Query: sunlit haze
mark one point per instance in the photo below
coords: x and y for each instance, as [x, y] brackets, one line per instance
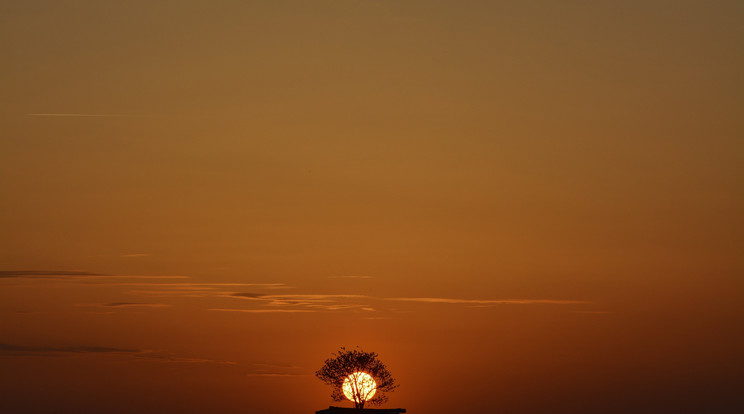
[523, 207]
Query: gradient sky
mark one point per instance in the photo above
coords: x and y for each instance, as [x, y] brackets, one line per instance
[523, 207]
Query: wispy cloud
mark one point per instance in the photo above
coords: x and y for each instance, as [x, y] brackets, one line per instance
[139, 285]
[79, 351]
[333, 302]
[248, 295]
[207, 285]
[492, 301]
[337, 302]
[341, 307]
[148, 277]
[262, 310]
[304, 298]
[195, 290]
[260, 298]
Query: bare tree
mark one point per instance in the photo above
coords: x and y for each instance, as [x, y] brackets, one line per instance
[349, 366]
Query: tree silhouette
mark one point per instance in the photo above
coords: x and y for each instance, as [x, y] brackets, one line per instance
[347, 365]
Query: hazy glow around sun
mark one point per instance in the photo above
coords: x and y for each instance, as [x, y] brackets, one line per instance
[359, 384]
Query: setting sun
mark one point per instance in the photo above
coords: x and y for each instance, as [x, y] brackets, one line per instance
[359, 386]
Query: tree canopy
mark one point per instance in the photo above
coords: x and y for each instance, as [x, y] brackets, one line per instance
[346, 365]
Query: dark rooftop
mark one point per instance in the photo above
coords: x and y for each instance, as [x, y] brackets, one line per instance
[341, 410]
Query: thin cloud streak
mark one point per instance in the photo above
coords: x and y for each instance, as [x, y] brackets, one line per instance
[136, 255]
[195, 290]
[263, 310]
[342, 302]
[312, 298]
[337, 307]
[492, 301]
[308, 301]
[298, 297]
[78, 351]
[143, 277]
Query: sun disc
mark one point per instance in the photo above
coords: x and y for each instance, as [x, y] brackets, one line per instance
[359, 386]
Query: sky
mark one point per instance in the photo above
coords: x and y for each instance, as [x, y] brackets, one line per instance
[522, 207]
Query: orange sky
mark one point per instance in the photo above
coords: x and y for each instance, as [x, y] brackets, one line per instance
[523, 207]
